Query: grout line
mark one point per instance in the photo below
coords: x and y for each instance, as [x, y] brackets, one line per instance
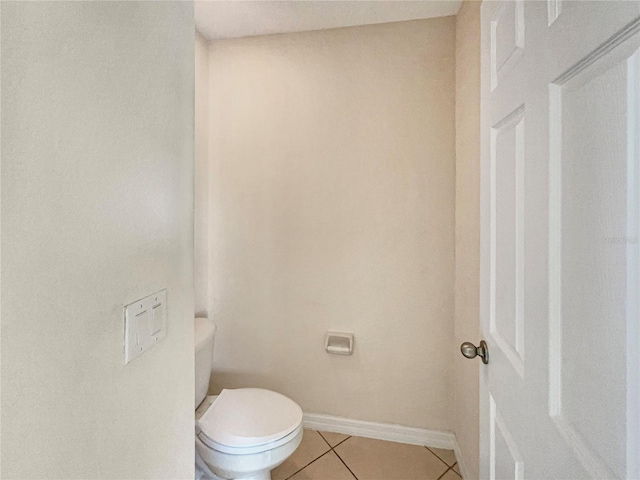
[343, 462]
[341, 442]
[318, 458]
[336, 453]
[325, 440]
[454, 470]
[445, 472]
[332, 449]
[450, 466]
[299, 470]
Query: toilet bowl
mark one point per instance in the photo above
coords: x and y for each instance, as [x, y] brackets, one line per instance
[242, 433]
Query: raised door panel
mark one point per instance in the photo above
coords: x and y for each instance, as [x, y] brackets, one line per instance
[507, 241]
[593, 246]
[507, 39]
[506, 462]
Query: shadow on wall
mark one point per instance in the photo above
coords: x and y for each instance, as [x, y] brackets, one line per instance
[232, 379]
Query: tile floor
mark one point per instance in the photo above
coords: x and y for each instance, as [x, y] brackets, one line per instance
[332, 456]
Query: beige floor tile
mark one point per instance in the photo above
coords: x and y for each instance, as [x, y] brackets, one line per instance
[456, 468]
[450, 475]
[311, 447]
[371, 459]
[327, 467]
[447, 456]
[333, 438]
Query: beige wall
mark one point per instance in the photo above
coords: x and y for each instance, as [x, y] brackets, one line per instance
[97, 200]
[201, 204]
[332, 207]
[465, 417]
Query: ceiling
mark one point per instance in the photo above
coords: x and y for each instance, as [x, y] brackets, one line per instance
[217, 19]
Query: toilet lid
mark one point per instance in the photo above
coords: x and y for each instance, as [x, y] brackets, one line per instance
[246, 417]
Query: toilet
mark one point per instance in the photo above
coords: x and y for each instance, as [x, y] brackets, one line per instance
[242, 433]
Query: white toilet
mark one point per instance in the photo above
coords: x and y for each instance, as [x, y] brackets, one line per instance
[242, 433]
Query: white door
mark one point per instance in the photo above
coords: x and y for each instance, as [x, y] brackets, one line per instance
[560, 286]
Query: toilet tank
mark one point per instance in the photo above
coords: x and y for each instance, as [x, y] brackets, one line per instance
[204, 334]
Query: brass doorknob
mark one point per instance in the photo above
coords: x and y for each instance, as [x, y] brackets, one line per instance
[469, 350]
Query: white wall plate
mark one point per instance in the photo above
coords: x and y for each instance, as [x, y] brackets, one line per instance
[145, 324]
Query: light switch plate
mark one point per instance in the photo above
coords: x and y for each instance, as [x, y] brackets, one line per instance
[145, 324]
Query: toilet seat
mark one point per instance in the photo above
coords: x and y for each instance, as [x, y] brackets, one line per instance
[249, 420]
[248, 450]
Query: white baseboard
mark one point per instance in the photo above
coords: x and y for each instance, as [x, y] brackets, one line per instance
[461, 465]
[380, 431]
